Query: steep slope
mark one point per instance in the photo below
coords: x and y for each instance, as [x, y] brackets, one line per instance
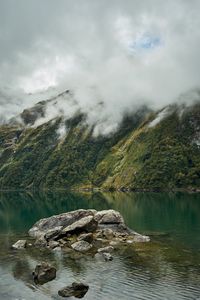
[150, 151]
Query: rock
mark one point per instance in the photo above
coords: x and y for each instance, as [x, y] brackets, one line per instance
[88, 237]
[53, 244]
[44, 273]
[108, 233]
[107, 249]
[107, 256]
[114, 243]
[109, 217]
[77, 229]
[104, 256]
[100, 243]
[87, 224]
[53, 233]
[138, 238]
[21, 244]
[44, 225]
[57, 249]
[40, 242]
[77, 290]
[81, 246]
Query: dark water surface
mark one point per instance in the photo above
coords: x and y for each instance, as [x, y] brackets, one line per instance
[166, 268]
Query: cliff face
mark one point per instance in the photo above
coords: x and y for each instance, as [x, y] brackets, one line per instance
[150, 151]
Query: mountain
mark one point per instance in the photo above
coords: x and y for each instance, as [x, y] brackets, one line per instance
[149, 151]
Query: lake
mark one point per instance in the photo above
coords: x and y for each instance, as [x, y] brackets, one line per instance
[166, 268]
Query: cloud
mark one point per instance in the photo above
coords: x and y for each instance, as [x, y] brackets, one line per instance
[122, 53]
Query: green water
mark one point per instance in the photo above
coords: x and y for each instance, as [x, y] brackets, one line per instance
[166, 268]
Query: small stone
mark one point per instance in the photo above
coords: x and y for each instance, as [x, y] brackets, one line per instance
[53, 244]
[21, 244]
[114, 243]
[108, 233]
[104, 256]
[40, 242]
[129, 241]
[88, 237]
[138, 238]
[44, 273]
[57, 249]
[81, 246]
[107, 256]
[107, 249]
[77, 290]
[53, 233]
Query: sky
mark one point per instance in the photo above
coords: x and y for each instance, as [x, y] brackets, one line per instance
[123, 53]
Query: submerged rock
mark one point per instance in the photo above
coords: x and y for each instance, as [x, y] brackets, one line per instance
[21, 244]
[81, 246]
[44, 273]
[107, 249]
[77, 290]
[107, 256]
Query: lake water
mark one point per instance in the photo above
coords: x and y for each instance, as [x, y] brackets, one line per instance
[166, 268]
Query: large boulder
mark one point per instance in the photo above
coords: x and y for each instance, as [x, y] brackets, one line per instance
[77, 290]
[44, 273]
[42, 227]
[109, 217]
[86, 224]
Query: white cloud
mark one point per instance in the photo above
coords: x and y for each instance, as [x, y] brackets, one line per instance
[124, 53]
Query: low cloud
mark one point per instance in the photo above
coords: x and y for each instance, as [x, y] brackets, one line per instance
[113, 55]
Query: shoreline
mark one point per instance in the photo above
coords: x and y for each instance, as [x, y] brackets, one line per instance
[102, 190]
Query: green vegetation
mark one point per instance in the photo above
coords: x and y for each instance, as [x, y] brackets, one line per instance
[137, 156]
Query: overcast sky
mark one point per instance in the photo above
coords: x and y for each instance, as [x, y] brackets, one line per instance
[122, 52]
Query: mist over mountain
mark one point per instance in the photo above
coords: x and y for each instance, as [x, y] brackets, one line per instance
[113, 56]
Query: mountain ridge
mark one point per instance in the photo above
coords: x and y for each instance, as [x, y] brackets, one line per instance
[149, 151]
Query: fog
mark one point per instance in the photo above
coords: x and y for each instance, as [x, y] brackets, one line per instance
[113, 55]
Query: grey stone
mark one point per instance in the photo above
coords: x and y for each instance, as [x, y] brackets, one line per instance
[77, 290]
[107, 249]
[44, 273]
[40, 242]
[87, 224]
[107, 256]
[138, 238]
[44, 225]
[21, 244]
[53, 244]
[81, 246]
[53, 233]
[109, 217]
[88, 237]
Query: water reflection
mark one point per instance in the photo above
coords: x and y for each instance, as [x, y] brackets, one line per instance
[166, 268]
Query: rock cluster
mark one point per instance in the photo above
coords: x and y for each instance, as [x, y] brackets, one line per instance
[98, 232]
[85, 230]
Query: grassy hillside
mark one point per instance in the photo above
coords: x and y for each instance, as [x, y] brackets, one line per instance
[142, 154]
